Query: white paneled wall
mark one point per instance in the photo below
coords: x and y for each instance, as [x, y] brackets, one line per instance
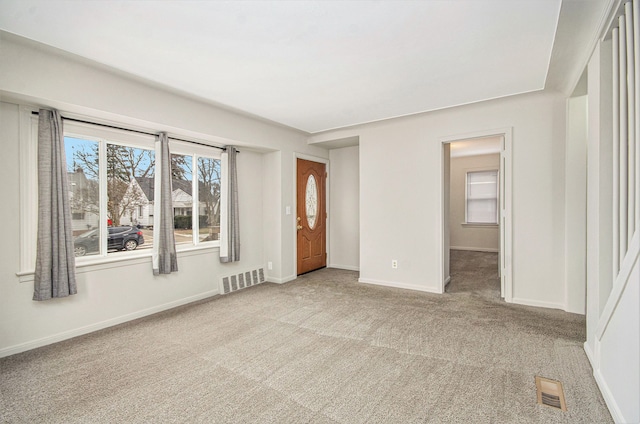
[613, 338]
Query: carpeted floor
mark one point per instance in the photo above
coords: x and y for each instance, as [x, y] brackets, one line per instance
[321, 349]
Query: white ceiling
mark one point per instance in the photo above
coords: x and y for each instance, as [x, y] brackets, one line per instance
[476, 146]
[310, 65]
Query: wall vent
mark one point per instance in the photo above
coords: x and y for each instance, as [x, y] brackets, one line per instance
[242, 280]
[550, 393]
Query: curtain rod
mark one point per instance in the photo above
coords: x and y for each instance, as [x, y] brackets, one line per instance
[135, 131]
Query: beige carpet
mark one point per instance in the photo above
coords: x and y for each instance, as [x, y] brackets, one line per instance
[321, 349]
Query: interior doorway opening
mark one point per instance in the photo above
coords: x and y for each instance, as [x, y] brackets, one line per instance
[476, 212]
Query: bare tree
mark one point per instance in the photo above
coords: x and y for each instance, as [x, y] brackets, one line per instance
[124, 164]
[209, 192]
[180, 167]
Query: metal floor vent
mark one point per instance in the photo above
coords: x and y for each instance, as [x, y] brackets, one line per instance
[550, 393]
[236, 282]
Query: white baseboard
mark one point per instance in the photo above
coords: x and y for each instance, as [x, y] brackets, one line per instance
[400, 285]
[281, 280]
[23, 347]
[537, 303]
[609, 399]
[475, 249]
[447, 280]
[347, 267]
[590, 355]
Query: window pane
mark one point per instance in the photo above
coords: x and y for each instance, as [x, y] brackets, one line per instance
[481, 211]
[182, 197]
[209, 202]
[130, 196]
[84, 194]
[482, 197]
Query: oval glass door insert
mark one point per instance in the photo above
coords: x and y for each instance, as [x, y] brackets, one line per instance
[311, 201]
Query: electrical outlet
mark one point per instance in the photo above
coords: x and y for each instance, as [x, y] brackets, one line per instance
[269, 265]
[394, 263]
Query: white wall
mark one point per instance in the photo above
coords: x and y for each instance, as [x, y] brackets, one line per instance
[401, 199]
[468, 237]
[576, 205]
[344, 208]
[36, 75]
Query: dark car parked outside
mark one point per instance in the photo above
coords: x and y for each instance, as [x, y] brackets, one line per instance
[119, 238]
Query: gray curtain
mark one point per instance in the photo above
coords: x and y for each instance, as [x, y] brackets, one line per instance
[230, 252]
[165, 260]
[55, 261]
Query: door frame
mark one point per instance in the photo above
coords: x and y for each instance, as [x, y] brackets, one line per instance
[293, 222]
[505, 208]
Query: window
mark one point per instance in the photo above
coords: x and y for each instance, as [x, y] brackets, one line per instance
[110, 185]
[182, 196]
[482, 197]
[111, 176]
[209, 196]
[196, 201]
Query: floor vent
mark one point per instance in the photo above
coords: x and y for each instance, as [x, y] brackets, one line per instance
[550, 393]
[242, 280]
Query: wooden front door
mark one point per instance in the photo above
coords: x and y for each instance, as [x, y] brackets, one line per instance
[311, 216]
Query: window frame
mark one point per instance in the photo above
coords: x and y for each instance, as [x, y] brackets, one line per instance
[28, 154]
[104, 136]
[177, 147]
[468, 223]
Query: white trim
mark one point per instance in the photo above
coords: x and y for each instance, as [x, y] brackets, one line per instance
[607, 22]
[346, 267]
[28, 188]
[447, 281]
[65, 335]
[400, 285]
[478, 225]
[224, 204]
[281, 280]
[595, 37]
[180, 147]
[609, 399]
[296, 156]
[590, 356]
[311, 158]
[97, 132]
[121, 260]
[537, 303]
[475, 249]
[619, 285]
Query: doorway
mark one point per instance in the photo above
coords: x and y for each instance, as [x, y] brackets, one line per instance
[311, 216]
[477, 183]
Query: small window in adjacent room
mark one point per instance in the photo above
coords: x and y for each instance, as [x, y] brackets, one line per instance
[482, 197]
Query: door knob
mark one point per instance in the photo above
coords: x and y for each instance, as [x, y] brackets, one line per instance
[299, 227]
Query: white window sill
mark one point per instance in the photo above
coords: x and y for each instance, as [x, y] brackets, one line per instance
[478, 225]
[123, 259]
